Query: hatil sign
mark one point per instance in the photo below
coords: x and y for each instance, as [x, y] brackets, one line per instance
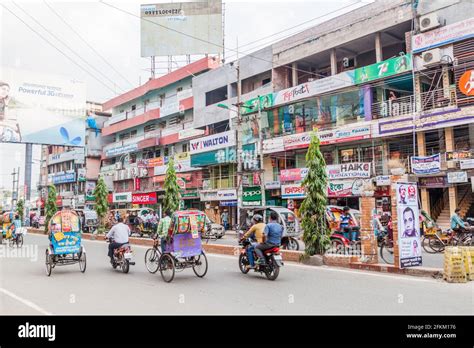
[212, 142]
[144, 198]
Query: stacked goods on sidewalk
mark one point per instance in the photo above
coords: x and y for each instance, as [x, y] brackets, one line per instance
[468, 258]
[454, 268]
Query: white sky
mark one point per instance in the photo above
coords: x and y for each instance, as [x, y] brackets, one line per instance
[116, 36]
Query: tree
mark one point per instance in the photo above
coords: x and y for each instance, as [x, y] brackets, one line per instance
[313, 208]
[51, 207]
[172, 196]
[101, 204]
[20, 208]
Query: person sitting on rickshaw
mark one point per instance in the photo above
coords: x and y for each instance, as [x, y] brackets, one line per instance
[256, 231]
[15, 226]
[118, 235]
[163, 227]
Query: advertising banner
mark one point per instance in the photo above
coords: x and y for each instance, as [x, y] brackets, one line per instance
[296, 141]
[295, 174]
[90, 187]
[389, 67]
[144, 198]
[408, 225]
[273, 145]
[212, 142]
[271, 185]
[122, 197]
[458, 155]
[252, 196]
[81, 174]
[383, 180]
[467, 164]
[292, 191]
[444, 35]
[227, 195]
[121, 150]
[251, 106]
[41, 108]
[190, 133]
[424, 165]
[348, 171]
[457, 177]
[434, 182]
[64, 178]
[347, 134]
[346, 188]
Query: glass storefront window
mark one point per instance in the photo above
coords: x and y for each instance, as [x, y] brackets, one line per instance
[341, 109]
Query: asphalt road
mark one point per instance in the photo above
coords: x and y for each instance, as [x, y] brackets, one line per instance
[25, 288]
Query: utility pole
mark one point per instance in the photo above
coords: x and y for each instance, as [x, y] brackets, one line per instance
[260, 150]
[16, 178]
[239, 147]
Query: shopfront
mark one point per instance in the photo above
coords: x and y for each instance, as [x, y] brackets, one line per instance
[215, 202]
[122, 200]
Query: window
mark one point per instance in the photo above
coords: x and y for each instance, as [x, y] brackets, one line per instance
[124, 136]
[179, 89]
[162, 99]
[216, 96]
[149, 128]
[185, 147]
[266, 81]
[133, 157]
[134, 107]
[158, 153]
[133, 133]
[166, 152]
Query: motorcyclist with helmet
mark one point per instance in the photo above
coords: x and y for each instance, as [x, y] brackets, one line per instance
[257, 230]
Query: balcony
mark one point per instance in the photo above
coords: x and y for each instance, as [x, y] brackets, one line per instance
[131, 119]
[404, 106]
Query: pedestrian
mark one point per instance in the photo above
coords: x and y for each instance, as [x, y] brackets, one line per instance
[225, 219]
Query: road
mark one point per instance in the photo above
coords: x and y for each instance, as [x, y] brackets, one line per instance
[300, 289]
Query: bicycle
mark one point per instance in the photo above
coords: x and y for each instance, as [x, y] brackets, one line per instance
[152, 256]
[438, 241]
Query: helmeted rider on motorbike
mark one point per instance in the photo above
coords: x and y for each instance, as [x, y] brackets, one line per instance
[119, 234]
[271, 237]
[257, 231]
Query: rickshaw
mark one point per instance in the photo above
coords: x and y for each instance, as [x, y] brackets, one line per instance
[65, 241]
[183, 247]
[338, 238]
[6, 220]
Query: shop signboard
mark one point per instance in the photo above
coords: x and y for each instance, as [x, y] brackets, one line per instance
[81, 174]
[251, 105]
[346, 188]
[425, 165]
[443, 36]
[226, 155]
[90, 187]
[119, 150]
[144, 198]
[272, 185]
[208, 196]
[458, 155]
[189, 194]
[347, 134]
[386, 68]
[296, 141]
[349, 171]
[383, 180]
[273, 145]
[181, 183]
[467, 164]
[457, 177]
[292, 191]
[252, 196]
[227, 195]
[212, 142]
[228, 203]
[122, 197]
[190, 133]
[434, 182]
[408, 225]
[294, 174]
[64, 178]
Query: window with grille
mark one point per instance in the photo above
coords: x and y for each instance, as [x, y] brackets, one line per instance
[149, 128]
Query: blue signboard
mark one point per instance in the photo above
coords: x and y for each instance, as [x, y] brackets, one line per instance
[64, 178]
[228, 203]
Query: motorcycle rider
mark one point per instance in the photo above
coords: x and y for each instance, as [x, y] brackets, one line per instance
[272, 237]
[257, 230]
[119, 234]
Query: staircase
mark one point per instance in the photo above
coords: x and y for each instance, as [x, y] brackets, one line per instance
[466, 201]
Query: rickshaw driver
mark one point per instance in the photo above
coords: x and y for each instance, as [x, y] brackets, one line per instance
[163, 227]
[15, 226]
[119, 234]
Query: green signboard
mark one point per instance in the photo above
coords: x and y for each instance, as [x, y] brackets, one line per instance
[252, 195]
[189, 194]
[389, 67]
[226, 155]
[251, 106]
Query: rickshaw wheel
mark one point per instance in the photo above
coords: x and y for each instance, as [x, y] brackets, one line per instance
[48, 262]
[167, 267]
[19, 241]
[200, 265]
[152, 257]
[82, 261]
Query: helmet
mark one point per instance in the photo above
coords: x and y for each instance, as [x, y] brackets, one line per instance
[258, 218]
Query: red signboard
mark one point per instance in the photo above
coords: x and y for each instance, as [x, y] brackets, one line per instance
[144, 198]
[59, 201]
[110, 198]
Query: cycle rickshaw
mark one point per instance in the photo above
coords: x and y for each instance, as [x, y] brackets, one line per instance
[65, 241]
[183, 247]
[6, 220]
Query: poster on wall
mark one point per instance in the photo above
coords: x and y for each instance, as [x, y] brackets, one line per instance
[423, 165]
[408, 225]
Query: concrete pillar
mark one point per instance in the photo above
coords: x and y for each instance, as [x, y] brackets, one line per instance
[424, 193]
[367, 236]
[453, 193]
[294, 74]
[378, 47]
[333, 62]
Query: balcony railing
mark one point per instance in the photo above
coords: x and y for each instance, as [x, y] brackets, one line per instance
[126, 115]
[406, 105]
[133, 140]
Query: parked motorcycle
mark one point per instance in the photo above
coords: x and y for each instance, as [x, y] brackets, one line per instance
[123, 257]
[273, 260]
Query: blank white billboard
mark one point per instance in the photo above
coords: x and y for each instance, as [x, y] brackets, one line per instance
[163, 27]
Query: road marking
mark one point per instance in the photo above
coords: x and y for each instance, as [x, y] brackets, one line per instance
[25, 302]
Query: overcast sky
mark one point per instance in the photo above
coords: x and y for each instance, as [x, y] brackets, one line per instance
[116, 36]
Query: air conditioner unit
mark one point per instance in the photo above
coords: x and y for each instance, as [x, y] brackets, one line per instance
[118, 165]
[431, 57]
[429, 22]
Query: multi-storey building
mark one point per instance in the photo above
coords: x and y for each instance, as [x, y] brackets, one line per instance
[388, 86]
[149, 125]
[74, 171]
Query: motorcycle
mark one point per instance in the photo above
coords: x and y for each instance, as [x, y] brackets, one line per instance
[122, 257]
[273, 260]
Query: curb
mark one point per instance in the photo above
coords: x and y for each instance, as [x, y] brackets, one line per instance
[350, 262]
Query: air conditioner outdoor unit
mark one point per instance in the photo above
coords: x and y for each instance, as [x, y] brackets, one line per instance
[118, 165]
[429, 22]
[431, 57]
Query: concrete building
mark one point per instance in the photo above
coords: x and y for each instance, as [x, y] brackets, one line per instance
[74, 171]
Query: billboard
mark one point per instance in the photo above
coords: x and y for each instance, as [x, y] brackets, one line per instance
[163, 26]
[41, 108]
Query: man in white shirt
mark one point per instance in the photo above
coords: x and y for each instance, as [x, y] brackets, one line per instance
[119, 235]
